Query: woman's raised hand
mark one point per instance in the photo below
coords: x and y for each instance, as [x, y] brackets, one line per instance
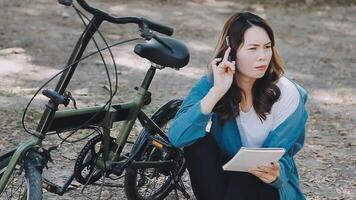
[223, 73]
[223, 77]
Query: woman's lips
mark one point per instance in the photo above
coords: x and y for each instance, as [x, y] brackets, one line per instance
[261, 67]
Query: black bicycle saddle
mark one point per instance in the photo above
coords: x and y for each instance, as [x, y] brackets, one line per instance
[176, 56]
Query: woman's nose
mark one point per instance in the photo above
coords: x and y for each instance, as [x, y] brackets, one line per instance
[262, 55]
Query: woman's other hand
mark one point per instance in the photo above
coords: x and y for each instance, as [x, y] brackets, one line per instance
[267, 174]
[223, 73]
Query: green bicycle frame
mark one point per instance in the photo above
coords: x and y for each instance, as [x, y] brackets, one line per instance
[54, 120]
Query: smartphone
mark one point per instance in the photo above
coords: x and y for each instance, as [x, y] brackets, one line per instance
[228, 44]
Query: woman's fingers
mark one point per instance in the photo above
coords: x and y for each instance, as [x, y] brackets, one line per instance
[265, 177]
[215, 61]
[224, 66]
[226, 55]
[272, 169]
[275, 165]
[227, 66]
[268, 170]
[267, 174]
[232, 67]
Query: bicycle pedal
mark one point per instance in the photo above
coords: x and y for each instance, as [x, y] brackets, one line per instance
[50, 186]
[47, 186]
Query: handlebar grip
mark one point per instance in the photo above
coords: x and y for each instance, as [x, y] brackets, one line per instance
[56, 97]
[65, 2]
[124, 20]
[158, 27]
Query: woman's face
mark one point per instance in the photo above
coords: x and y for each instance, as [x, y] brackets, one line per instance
[254, 56]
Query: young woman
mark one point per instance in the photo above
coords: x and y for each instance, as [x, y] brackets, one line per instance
[244, 102]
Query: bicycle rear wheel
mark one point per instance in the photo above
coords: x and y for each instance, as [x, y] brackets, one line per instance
[152, 183]
[25, 181]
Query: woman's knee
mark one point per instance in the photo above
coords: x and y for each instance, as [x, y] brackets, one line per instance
[203, 151]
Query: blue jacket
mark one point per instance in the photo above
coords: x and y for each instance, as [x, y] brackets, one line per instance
[190, 123]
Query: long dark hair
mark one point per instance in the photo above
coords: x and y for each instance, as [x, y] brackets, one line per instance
[265, 91]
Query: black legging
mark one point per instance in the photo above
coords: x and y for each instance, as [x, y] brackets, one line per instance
[210, 182]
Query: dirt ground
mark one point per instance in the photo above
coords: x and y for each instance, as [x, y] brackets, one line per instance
[318, 45]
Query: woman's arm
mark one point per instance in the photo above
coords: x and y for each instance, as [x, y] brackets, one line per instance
[190, 122]
[290, 135]
[195, 112]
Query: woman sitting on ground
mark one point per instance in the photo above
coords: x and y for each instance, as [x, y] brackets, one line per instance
[250, 103]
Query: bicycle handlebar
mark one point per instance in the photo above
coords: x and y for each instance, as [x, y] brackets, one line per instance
[125, 20]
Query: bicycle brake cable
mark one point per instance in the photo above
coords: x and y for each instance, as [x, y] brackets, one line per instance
[60, 72]
[112, 94]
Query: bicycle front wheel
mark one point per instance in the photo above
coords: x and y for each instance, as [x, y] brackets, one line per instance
[25, 181]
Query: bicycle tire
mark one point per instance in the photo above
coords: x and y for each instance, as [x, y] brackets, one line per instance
[161, 117]
[31, 175]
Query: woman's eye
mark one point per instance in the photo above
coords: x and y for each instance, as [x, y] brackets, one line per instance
[253, 48]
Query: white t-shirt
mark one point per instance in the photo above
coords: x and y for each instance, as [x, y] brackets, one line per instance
[253, 131]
